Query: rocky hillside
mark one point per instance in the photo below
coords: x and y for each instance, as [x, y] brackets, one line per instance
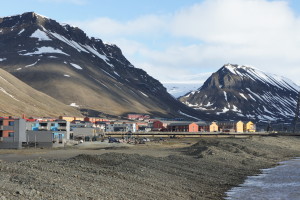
[242, 92]
[17, 98]
[61, 61]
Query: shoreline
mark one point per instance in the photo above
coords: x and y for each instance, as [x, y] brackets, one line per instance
[197, 168]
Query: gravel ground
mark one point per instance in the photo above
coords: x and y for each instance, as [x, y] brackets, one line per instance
[203, 170]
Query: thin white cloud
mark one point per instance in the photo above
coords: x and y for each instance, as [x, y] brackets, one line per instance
[145, 25]
[257, 32]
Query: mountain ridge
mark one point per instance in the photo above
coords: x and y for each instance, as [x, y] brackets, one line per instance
[63, 62]
[244, 92]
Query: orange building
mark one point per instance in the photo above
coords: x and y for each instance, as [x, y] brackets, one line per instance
[8, 123]
[12, 133]
[193, 127]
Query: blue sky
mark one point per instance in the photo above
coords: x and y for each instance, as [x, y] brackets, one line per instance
[67, 10]
[180, 40]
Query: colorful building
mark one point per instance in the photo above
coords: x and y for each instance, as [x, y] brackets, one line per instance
[12, 133]
[213, 127]
[231, 126]
[59, 129]
[200, 126]
[69, 119]
[249, 127]
[157, 126]
[120, 126]
[95, 119]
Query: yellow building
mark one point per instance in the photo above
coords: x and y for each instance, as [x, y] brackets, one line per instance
[239, 127]
[79, 118]
[213, 127]
[69, 119]
[249, 127]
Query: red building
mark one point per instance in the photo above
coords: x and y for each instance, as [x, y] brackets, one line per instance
[157, 126]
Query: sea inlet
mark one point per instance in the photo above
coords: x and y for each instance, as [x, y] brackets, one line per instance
[280, 182]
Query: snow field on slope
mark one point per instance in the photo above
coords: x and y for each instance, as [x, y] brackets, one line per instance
[40, 35]
[76, 66]
[43, 50]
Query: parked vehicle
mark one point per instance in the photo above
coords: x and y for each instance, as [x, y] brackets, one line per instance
[113, 140]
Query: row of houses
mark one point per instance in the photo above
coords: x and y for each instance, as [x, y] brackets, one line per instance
[202, 126]
[166, 126]
[17, 132]
[142, 122]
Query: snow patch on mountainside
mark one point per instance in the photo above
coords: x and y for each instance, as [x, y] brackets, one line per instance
[267, 78]
[182, 113]
[21, 31]
[225, 95]
[74, 105]
[79, 47]
[42, 36]
[76, 66]
[242, 95]
[44, 50]
[4, 91]
[33, 63]
[96, 53]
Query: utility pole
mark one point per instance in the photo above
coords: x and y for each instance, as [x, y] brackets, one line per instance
[296, 113]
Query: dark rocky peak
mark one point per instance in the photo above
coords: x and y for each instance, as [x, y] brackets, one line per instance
[28, 17]
[235, 69]
[31, 21]
[114, 51]
[243, 92]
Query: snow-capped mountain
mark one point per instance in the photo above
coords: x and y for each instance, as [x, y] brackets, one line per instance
[180, 89]
[191, 83]
[61, 61]
[244, 92]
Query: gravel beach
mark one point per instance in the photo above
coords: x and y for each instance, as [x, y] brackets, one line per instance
[198, 168]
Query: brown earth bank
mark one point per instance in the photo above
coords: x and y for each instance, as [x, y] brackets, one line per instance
[203, 168]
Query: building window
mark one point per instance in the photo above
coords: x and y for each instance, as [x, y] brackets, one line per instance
[11, 134]
[52, 124]
[11, 123]
[1, 133]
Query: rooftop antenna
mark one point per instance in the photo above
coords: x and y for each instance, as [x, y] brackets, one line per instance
[296, 113]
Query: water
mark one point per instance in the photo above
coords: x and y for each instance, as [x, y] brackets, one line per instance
[281, 182]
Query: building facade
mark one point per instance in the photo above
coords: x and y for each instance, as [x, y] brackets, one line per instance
[12, 133]
[249, 127]
[120, 127]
